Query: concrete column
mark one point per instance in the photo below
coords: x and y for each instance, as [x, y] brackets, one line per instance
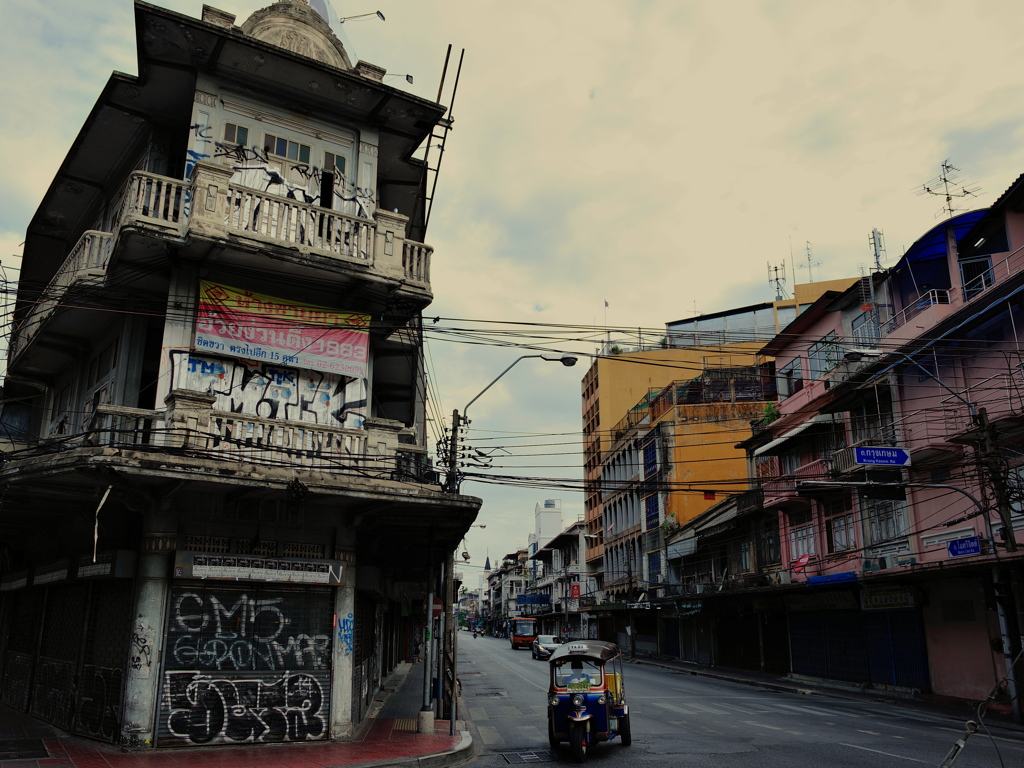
[142, 684]
[342, 726]
[182, 304]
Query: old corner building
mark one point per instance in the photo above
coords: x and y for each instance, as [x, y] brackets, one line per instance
[219, 523]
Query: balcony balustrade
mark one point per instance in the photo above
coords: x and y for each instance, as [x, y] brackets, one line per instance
[209, 205]
[189, 426]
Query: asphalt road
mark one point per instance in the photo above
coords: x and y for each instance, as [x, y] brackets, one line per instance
[687, 720]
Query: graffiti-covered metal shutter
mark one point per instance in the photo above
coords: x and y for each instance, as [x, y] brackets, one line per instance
[53, 686]
[25, 609]
[101, 682]
[246, 663]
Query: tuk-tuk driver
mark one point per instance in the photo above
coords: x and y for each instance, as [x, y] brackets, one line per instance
[577, 675]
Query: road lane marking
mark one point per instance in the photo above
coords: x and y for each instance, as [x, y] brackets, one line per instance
[814, 711]
[772, 727]
[880, 752]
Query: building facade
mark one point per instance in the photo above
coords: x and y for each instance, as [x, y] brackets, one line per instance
[884, 514]
[216, 483]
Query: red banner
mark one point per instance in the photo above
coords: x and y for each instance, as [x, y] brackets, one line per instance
[255, 326]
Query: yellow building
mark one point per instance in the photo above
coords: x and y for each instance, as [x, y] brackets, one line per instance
[659, 430]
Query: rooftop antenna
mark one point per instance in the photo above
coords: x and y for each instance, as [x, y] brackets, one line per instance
[950, 187]
[777, 279]
[811, 263]
[878, 247]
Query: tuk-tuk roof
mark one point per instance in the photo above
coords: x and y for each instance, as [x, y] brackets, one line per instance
[591, 649]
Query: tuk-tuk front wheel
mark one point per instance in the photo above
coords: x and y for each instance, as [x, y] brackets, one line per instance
[578, 742]
[625, 736]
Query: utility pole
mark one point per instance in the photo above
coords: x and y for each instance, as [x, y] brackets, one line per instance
[997, 474]
[629, 604]
[452, 481]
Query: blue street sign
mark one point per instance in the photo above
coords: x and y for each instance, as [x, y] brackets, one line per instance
[964, 547]
[533, 599]
[881, 457]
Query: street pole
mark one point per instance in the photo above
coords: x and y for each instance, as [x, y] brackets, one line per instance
[425, 722]
[452, 482]
[629, 603]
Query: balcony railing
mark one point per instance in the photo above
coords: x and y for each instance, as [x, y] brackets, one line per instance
[208, 205]
[216, 435]
[87, 262]
[294, 223]
[924, 302]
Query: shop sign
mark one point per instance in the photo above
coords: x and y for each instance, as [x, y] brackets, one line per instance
[533, 599]
[13, 581]
[119, 563]
[882, 598]
[822, 601]
[195, 565]
[688, 607]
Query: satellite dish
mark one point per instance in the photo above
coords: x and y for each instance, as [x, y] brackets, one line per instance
[465, 556]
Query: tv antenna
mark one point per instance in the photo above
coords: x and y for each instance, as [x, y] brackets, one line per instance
[878, 248]
[811, 263]
[948, 185]
[777, 279]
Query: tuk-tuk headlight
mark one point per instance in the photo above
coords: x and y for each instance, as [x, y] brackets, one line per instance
[601, 699]
[578, 700]
[554, 701]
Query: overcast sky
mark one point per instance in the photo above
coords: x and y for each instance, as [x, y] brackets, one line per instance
[654, 154]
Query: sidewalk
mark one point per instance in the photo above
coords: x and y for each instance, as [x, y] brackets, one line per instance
[387, 737]
[815, 687]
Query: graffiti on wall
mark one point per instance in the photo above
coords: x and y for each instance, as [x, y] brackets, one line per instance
[274, 392]
[235, 631]
[206, 709]
[346, 633]
[99, 702]
[257, 169]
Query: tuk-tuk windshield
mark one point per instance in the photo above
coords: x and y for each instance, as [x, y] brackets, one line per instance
[577, 674]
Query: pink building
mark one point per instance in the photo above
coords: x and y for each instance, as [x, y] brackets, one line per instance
[894, 465]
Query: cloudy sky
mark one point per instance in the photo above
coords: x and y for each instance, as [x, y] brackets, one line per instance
[654, 154]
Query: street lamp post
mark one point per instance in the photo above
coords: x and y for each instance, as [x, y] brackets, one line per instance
[454, 481]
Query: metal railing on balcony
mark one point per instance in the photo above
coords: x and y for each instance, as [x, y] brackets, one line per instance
[923, 302]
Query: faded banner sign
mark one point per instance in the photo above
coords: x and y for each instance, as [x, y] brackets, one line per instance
[254, 326]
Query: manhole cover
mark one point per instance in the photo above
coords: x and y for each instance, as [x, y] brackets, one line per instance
[528, 757]
[498, 694]
[22, 749]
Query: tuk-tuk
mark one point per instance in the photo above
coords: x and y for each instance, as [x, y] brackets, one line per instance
[586, 698]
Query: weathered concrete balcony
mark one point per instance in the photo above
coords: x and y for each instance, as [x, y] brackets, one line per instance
[209, 207]
[86, 265]
[190, 426]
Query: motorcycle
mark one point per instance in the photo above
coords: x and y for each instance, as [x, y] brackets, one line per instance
[586, 697]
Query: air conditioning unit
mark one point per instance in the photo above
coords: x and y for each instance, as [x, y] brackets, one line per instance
[876, 563]
[784, 577]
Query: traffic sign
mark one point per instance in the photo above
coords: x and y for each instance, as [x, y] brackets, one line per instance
[964, 547]
[881, 457]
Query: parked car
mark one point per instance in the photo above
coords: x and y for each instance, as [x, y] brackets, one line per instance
[544, 645]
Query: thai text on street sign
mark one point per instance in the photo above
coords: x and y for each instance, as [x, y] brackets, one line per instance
[881, 457]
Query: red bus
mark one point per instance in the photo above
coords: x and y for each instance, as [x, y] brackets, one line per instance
[522, 632]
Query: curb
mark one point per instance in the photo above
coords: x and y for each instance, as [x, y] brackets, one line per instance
[461, 753]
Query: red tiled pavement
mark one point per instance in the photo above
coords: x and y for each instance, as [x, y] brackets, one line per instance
[380, 741]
